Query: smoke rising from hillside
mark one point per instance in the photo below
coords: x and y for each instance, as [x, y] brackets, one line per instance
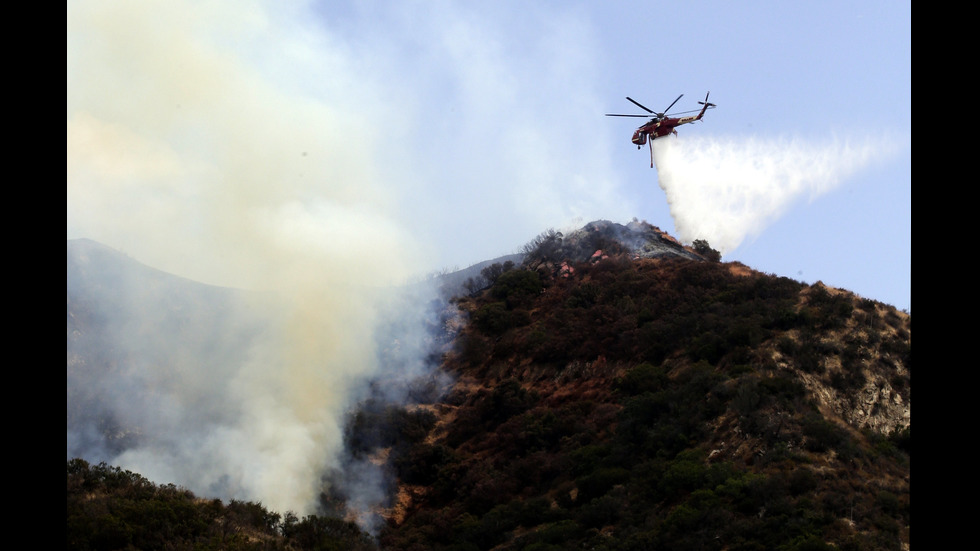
[199, 157]
[726, 190]
[316, 156]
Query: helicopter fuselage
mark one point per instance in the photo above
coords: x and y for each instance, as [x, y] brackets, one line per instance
[662, 127]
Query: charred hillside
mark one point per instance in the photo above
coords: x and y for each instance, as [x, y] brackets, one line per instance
[614, 401]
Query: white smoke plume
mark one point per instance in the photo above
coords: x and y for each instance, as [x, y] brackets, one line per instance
[317, 152]
[220, 165]
[727, 190]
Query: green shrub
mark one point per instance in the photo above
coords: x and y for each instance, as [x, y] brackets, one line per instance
[496, 318]
[517, 286]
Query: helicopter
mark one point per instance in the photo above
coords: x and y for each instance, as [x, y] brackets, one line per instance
[660, 124]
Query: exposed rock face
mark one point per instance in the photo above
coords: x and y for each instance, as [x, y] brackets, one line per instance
[867, 384]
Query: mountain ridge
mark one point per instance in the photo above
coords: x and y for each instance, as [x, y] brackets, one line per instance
[795, 376]
[590, 372]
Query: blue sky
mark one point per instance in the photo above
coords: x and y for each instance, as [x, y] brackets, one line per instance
[783, 71]
[458, 131]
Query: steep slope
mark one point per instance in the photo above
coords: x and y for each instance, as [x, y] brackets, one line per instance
[610, 401]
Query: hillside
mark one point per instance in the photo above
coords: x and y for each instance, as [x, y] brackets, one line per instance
[611, 391]
[635, 403]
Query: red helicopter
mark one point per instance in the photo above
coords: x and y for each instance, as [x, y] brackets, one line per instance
[660, 124]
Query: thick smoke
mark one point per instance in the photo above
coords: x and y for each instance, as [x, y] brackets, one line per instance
[193, 147]
[234, 394]
[726, 190]
[316, 153]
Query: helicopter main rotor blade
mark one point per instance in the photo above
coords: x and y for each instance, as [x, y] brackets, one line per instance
[672, 104]
[638, 104]
[616, 115]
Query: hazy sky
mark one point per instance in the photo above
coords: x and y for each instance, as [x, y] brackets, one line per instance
[457, 131]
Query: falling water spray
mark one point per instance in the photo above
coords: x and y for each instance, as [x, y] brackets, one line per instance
[726, 190]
